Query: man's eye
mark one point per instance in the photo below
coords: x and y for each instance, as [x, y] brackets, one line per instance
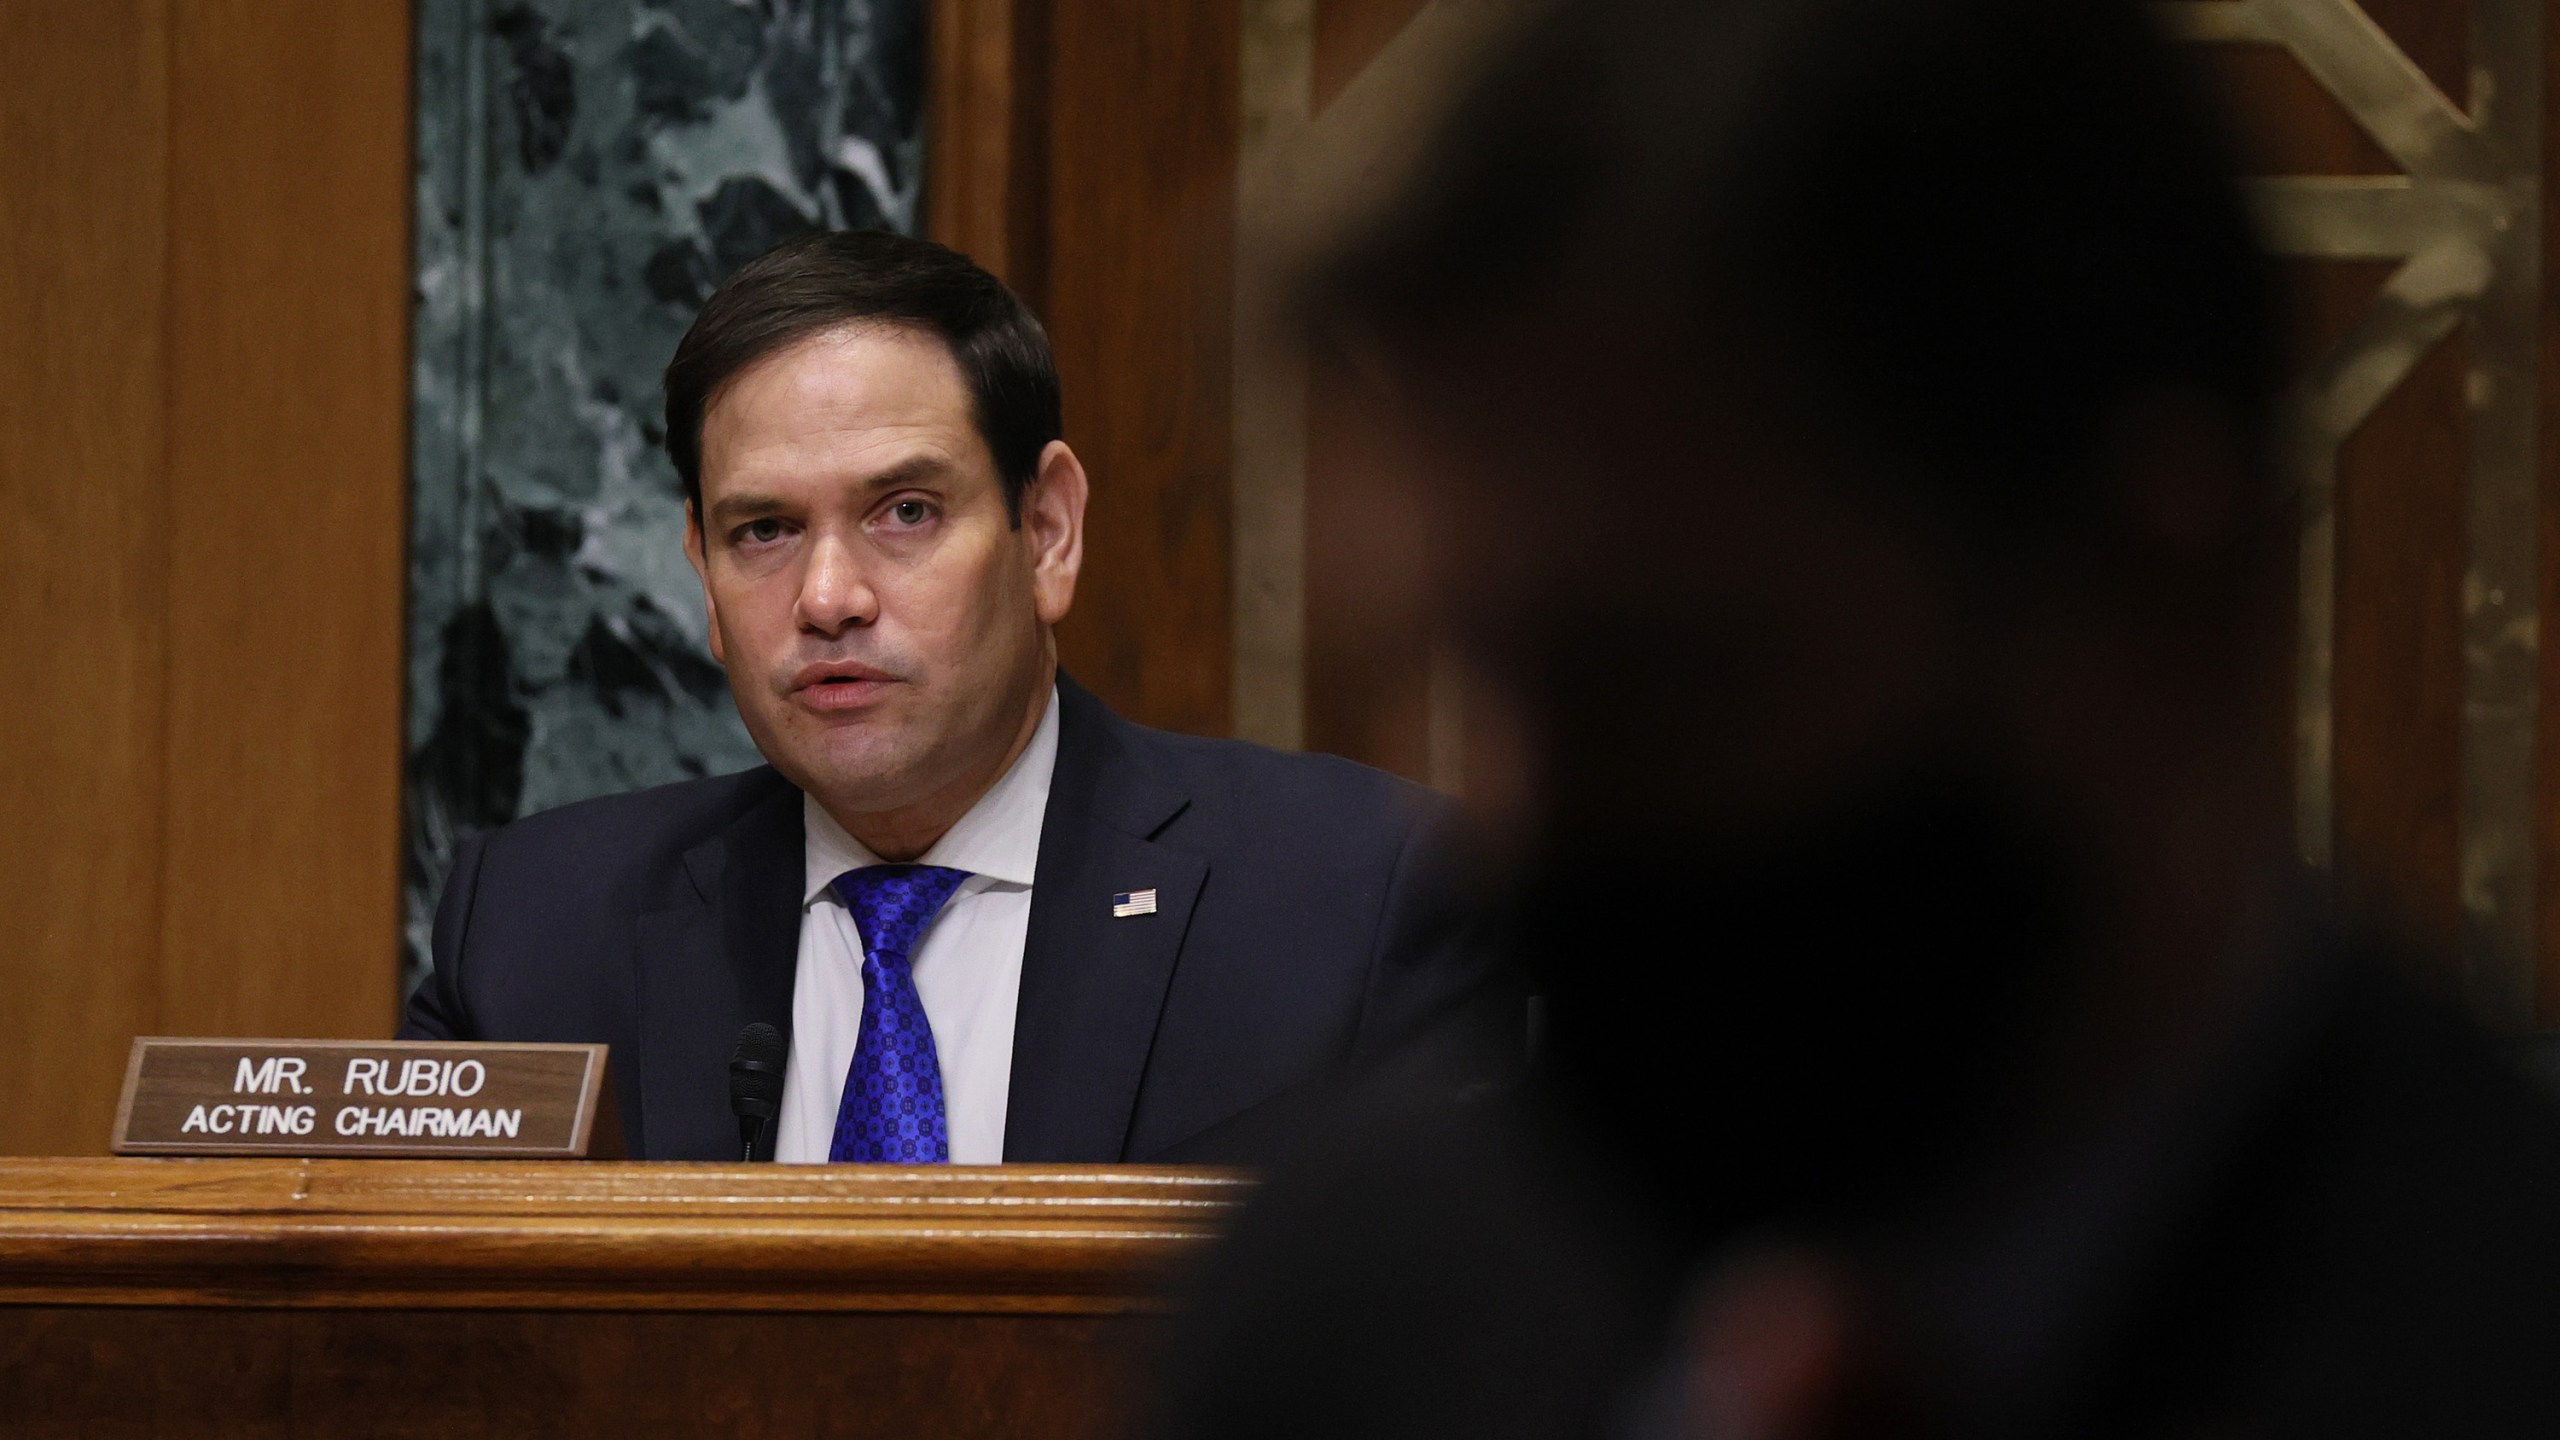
[910, 512]
[761, 532]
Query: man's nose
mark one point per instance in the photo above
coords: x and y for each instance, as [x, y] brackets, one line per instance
[834, 594]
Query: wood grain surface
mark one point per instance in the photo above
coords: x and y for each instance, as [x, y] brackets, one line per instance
[1087, 154]
[2547, 760]
[83, 557]
[110, 1374]
[565, 1235]
[288, 404]
[986, 166]
[1141, 116]
[284, 1299]
[1346, 36]
[204, 276]
[2401, 481]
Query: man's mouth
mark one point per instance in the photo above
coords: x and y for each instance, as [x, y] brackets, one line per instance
[839, 686]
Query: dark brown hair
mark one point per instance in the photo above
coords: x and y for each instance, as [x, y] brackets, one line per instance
[818, 282]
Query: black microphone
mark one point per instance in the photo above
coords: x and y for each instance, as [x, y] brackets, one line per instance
[755, 1083]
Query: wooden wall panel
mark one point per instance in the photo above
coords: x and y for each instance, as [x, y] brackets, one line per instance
[1085, 152]
[2434, 34]
[2401, 548]
[2284, 122]
[2547, 767]
[202, 410]
[1348, 34]
[82, 543]
[1140, 201]
[288, 447]
[2402, 554]
[986, 171]
[2434, 801]
[2401, 557]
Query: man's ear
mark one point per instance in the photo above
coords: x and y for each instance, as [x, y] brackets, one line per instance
[1053, 530]
[693, 552]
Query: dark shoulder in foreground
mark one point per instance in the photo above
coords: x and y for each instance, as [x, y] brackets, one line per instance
[2374, 1256]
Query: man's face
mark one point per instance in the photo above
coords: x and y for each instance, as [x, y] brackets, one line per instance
[884, 622]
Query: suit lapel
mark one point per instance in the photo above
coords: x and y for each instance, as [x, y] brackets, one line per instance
[724, 954]
[1093, 985]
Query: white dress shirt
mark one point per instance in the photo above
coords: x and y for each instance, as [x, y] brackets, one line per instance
[968, 968]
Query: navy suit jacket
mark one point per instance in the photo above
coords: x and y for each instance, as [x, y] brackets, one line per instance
[1306, 921]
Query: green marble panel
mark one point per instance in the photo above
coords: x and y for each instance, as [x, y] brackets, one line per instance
[587, 171]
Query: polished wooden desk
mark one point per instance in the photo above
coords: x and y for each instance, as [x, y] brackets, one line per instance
[295, 1298]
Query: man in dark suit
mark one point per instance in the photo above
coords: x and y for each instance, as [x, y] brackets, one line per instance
[993, 919]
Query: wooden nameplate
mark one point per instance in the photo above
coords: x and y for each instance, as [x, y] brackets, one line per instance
[363, 1097]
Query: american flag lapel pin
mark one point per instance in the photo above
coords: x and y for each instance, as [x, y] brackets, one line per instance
[1133, 902]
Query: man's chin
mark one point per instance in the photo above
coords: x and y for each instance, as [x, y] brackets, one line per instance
[852, 769]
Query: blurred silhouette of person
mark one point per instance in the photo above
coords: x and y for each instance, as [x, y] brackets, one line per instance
[1838, 436]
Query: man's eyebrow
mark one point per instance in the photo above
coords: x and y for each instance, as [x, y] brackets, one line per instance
[907, 472]
[748, 505]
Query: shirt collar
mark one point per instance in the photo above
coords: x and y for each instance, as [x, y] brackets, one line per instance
[999, 837]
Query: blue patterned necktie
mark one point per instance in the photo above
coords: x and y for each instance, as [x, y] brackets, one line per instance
[892, 1108]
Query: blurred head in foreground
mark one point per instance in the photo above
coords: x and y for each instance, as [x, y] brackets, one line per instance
[1837, 434]
[1848, 480]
